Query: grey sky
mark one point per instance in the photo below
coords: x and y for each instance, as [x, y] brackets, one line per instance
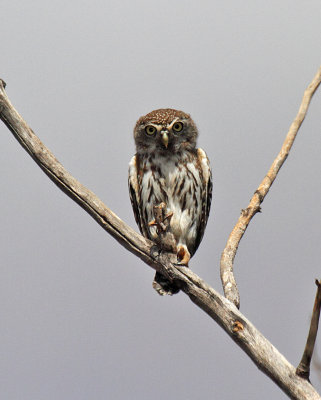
[79, 319]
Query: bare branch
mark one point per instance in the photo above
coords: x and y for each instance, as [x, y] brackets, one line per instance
[228, 255]
[303, 369]
[134, 242]
[259, 349]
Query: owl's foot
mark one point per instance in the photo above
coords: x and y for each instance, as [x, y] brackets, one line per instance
[168, 216]
[183, 255]
[160, 226]
[160, 220]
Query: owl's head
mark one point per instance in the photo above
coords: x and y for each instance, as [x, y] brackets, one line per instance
[165, 131]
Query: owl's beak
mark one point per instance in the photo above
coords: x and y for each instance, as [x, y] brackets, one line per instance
[165, 138]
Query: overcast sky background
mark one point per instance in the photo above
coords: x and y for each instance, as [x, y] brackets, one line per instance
[79, 318]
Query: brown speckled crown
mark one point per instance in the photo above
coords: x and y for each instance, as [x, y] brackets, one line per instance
[163, 116]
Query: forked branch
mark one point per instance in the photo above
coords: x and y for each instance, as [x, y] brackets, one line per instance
[259, 349]
[228, 255]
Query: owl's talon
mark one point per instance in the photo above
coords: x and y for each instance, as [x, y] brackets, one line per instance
[178, 264]
[160, 218]
[169, 216]
[183, 256]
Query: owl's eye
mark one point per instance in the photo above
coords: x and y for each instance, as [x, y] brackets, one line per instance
[178, 127]
[150, 130]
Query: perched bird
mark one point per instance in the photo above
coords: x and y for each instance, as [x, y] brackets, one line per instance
[170, 186]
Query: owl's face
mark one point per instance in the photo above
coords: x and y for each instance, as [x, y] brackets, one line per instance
[165, 131]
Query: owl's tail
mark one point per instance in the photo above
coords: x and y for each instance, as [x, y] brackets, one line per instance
[163, 286]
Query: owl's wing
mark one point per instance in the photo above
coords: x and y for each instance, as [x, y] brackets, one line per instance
[134, 193]
[207, 185]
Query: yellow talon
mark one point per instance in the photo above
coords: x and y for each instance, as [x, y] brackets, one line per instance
[183, 255]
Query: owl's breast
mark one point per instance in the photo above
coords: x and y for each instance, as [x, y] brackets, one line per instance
[177, 183]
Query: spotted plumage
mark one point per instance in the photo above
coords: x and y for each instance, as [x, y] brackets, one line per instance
[170, 186]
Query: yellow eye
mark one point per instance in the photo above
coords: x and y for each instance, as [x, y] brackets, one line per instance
[150, 130]
[178, 127]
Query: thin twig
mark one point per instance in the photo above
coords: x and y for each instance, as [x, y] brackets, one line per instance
[303, 369]
[229, 252]
[259, 349]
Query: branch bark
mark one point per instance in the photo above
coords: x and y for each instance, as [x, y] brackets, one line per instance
[304, 366]
[242, 331]
[228, 254]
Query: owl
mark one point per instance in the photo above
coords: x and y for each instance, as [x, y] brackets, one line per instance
[170, 186]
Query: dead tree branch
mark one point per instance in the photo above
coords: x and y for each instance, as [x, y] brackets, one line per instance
[244, 334]
[304, 366]
[228, 255]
